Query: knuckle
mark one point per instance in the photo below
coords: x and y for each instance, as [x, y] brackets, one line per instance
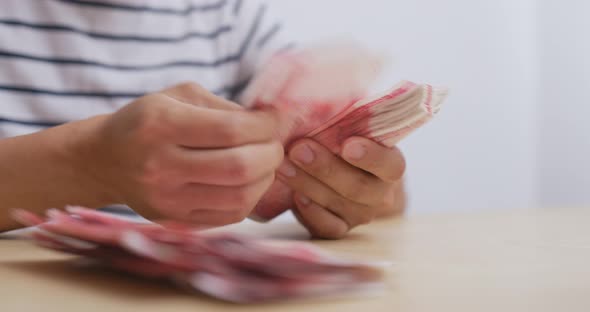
[230, 130]
[338, 205]
[187, 92]
[151, 168]
[278, 152]
[359, 191]
[353, 193]
[150, 177]
[323, 167]
[190, 88]
[153, 171]
[328, 167]
[151, 117]
[399, 167]
[239, 169]
[352, 213]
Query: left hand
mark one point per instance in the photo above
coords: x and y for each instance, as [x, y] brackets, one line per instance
[335, 194]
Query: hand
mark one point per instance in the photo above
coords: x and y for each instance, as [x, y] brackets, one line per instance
[335, 194]
[184, 154]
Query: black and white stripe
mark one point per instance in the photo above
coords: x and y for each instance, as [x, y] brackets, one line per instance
[63, 60]
[187, 10]
[65, 29]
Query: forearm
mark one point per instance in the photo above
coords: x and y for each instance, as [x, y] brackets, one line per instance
[45, 170]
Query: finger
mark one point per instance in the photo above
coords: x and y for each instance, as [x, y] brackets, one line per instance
[347, 180]
[386, 163]
[230, 167]
[318, 221]
[200, 127]
[199, 197]
[194, 94]
[301, 182]
[197, 127]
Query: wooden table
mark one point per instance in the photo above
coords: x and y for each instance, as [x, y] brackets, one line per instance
[526, 260]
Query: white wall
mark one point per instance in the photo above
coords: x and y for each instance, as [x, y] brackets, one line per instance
[479, 153]
[564, 98]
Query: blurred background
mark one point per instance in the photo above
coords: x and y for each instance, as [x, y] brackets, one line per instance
[514, 131]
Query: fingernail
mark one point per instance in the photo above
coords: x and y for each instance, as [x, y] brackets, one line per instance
[304, 200]
[303, 154]
[287, 169]
[354, 151]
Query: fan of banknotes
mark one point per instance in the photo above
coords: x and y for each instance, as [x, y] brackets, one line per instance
[321, 92]
[226, 266]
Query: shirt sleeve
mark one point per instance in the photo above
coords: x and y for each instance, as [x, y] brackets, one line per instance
[257, 34]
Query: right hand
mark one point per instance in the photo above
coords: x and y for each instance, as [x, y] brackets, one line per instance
[184, 154]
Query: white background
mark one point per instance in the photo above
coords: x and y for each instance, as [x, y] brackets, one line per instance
[514, 132]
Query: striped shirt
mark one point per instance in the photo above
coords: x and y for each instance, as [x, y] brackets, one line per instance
[65, 60]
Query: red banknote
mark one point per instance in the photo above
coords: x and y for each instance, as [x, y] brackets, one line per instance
[227, 266]
[321, 92]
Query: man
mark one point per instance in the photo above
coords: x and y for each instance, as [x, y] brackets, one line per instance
[83, 122]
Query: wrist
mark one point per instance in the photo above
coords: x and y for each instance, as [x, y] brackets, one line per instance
[80, 151]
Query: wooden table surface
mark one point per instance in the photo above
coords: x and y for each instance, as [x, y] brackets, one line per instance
[525, 260]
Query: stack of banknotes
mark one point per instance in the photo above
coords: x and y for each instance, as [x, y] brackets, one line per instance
[226, 266]
[321, 92]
